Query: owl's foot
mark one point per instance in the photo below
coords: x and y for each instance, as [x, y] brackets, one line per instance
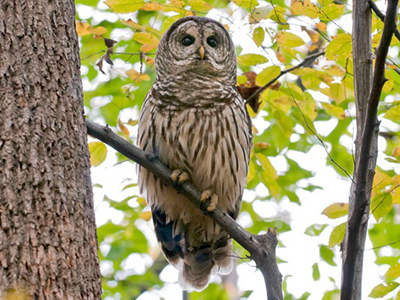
[178, 176]
[208, 195]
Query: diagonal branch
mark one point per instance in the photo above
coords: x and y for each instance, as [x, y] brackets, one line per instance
[304, 62]
[358, 214]
[261, 247]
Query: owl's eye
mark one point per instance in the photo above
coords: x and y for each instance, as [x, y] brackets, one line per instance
[212, 41]
[187, 40]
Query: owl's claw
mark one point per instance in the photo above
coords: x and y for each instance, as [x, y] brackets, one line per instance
[207, 194]
[178, 176]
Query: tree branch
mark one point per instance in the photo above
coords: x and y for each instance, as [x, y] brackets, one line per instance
[304, 62]
[358, 216]
[261, 247]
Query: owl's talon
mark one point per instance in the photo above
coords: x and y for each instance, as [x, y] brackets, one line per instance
[175, 175]
[207, 194]
[184, 177]
[178, 176]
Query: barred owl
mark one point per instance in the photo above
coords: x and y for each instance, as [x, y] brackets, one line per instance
[194, 121]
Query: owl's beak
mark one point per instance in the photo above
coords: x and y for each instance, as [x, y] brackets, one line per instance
[201, 52]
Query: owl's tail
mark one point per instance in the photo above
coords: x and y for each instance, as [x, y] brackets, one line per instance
[195, 259]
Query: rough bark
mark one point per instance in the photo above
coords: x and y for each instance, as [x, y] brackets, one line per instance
[261, 247]
[362, 66]
[48, 243]
[366, 144]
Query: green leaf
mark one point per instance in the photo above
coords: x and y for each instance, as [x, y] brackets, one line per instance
[258, 36]
[337, 235]
[393, 272]
[125, 6]
[340, 47]
[246, 4]
[381, 205]
[315, 230]
[267, 75]
[315, 272]
[336, 210]
[393, 113]
[333, 110]
[382, 290]
[331, 12]
[327, 255]
[98, 153]
[248, 60]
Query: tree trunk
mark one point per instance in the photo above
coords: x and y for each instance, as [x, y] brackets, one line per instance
[48, 243]
[362, 66]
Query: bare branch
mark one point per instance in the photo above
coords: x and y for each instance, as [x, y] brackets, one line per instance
[261, 247]
[304, 62]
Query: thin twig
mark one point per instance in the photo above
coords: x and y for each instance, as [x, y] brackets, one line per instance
[305, 61]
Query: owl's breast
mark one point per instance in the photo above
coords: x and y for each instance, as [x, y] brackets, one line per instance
[211, 144]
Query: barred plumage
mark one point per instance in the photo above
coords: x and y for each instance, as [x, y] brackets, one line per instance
[194, 119]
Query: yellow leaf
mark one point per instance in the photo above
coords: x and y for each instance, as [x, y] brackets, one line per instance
[305, 7]
[150, 60]
[146, 38]
[19, 293]
[177, 3]
[335, 70]
[98, 153]
[125, 6]
[396, 152]
[226, 26]
[340, 46]
[200, 5]
[393, 272]
[336, 210]
[337, 235]
[83, 28]
[268, 175]
[321, 26]
[132, 24]
[267, 75]
[261, 145]
[266, 165]
[288, 40]
[145, 215]
[136, 76]
[133, 122]
[333, 110]
[152, 6]
[147, 48]
[123, 128]
[252, 171]
[258, 36]
[141, 201]
[248, 60]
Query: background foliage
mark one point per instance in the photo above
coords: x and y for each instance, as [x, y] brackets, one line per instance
[118, 42]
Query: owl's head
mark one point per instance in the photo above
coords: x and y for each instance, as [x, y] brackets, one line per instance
[198, 45]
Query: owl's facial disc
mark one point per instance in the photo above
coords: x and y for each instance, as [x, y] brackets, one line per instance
[201, 45]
